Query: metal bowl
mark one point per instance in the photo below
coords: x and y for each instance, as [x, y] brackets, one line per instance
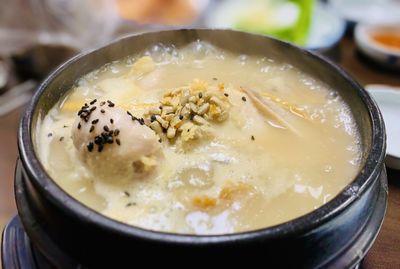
[336, 235]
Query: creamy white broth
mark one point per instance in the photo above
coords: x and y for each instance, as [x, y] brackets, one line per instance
[247, 173]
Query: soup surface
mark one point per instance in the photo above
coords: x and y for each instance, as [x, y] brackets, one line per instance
[200, 140]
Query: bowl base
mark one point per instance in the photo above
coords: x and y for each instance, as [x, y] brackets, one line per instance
[17, 251]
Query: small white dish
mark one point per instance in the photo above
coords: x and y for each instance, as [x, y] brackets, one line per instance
[388, 100]
[326, 29]
[388, 56]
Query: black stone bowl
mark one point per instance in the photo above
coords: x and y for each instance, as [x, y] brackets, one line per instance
[336, 235]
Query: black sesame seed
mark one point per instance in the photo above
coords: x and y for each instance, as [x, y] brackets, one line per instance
[95, 121]
[118, 142]
[61, 138]
[90, 146]
[49, 134]
[94, 101]
[181, 117]
[91, 129]
[79, 125]
[98, 140]
[105, 127]
[127, 193]
[109, 140]
[102, 103]
[110, 104]
[116, 132]
[130, 204]
[215, 79]
[93, 108]
[159, 140]
[111, 121]
[100, 148]
[141, 121]
[65, 126]
[152, 118]
[226, 94]
[252, 137]
[200, 95]
[102, 111]
[244, 99]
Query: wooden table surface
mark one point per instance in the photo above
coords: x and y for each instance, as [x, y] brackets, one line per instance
[385, 253]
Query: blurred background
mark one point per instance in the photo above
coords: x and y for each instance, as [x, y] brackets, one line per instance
[363, 36]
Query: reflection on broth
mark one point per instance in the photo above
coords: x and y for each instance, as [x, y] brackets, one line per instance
[199, 140]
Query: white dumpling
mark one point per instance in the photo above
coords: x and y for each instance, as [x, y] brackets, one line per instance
[112, 143]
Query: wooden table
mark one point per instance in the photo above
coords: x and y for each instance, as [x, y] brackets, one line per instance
[8, 155]
[384, 254]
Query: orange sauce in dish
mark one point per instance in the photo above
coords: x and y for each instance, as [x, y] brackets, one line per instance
[391, 40]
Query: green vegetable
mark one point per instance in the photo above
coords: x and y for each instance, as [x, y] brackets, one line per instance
[288, 20]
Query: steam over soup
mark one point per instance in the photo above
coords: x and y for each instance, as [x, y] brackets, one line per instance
[200, 140]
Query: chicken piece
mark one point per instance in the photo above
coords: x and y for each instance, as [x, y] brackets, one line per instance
[232, 191]
[113, 143]
[204, 202]
[143, 66]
